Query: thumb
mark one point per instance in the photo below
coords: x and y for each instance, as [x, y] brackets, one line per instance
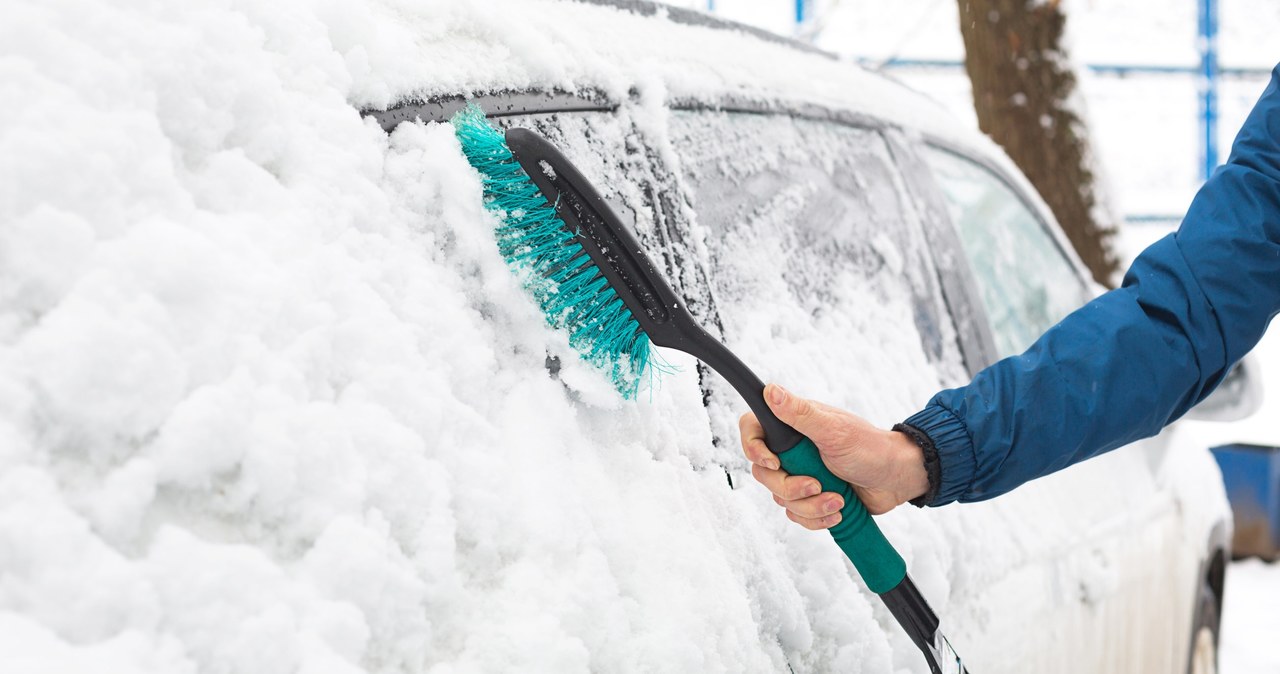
[799, 413]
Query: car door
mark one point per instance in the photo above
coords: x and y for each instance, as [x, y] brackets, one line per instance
[816, 257]
[820, 264]
[1114, 591]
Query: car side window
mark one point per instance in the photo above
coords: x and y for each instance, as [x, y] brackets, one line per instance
[816, 256]
[1026, 282]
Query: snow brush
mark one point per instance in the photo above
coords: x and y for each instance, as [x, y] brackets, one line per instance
[593, 279]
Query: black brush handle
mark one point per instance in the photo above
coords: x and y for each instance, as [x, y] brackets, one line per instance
[642, 287]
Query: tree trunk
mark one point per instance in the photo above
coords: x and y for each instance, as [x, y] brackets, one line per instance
[1023, 91]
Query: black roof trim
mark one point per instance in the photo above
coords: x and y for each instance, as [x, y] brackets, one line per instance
[497, 104]
[511, 103]
[794, 109]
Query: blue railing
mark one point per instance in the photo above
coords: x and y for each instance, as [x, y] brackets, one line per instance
[1208, 73]
[1100, 68]
[1208, 25]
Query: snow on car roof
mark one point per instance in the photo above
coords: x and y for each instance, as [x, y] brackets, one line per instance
[520, 45]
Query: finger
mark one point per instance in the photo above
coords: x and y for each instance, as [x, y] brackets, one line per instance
[753, 445]
[813, 507]
[799, 413]
[789, 487]
[830, 410]
[815, 524]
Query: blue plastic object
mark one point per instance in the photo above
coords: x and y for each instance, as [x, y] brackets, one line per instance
[1252, 477]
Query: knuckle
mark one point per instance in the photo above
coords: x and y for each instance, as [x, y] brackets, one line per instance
[808, 508]
[769, 478]
[800, 487]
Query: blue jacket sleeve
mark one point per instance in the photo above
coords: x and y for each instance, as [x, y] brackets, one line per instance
[1136, 358]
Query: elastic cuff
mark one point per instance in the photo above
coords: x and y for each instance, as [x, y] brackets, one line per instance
[931, 466]
[953, 451]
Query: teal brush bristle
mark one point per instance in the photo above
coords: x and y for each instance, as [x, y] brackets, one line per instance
[573, 295]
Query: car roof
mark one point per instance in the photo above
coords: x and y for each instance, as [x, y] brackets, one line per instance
[545, 55]
[630, 50]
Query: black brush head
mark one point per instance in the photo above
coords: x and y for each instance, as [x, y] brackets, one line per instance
[621, 259]
[612, 247]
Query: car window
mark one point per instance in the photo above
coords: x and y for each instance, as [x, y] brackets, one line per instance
[630, 170]
[1026, 282]
[816, 255]
[597, 143]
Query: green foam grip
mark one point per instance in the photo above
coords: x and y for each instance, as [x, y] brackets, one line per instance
[880, 566]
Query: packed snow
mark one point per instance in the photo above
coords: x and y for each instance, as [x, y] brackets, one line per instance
[271, 402]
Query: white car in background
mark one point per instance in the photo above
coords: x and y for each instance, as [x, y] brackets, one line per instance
[847, 238]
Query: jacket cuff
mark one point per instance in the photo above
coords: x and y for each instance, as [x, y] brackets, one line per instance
[932, 470]
[948, 454]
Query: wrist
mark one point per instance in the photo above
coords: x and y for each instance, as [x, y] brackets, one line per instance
[911, 474]
[929, 460]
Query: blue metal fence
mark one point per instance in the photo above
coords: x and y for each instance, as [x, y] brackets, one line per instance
[1208, 43]
[1118, 69]
[1208, 73]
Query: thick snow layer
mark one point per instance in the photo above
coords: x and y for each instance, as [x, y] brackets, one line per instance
[271, 402]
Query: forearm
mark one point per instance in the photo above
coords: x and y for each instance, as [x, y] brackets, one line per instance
[1114, 371]
[1137, 358]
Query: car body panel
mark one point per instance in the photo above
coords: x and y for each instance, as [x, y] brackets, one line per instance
[1091, 569]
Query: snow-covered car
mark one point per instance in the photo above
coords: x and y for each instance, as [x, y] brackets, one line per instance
[271, 402]
[848, 239]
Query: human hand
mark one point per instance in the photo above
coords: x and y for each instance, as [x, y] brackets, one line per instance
[886, 468]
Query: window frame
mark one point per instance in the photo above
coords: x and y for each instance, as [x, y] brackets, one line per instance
[954, 273]
[1033, 205]
[961, 301]
[1048, 223]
